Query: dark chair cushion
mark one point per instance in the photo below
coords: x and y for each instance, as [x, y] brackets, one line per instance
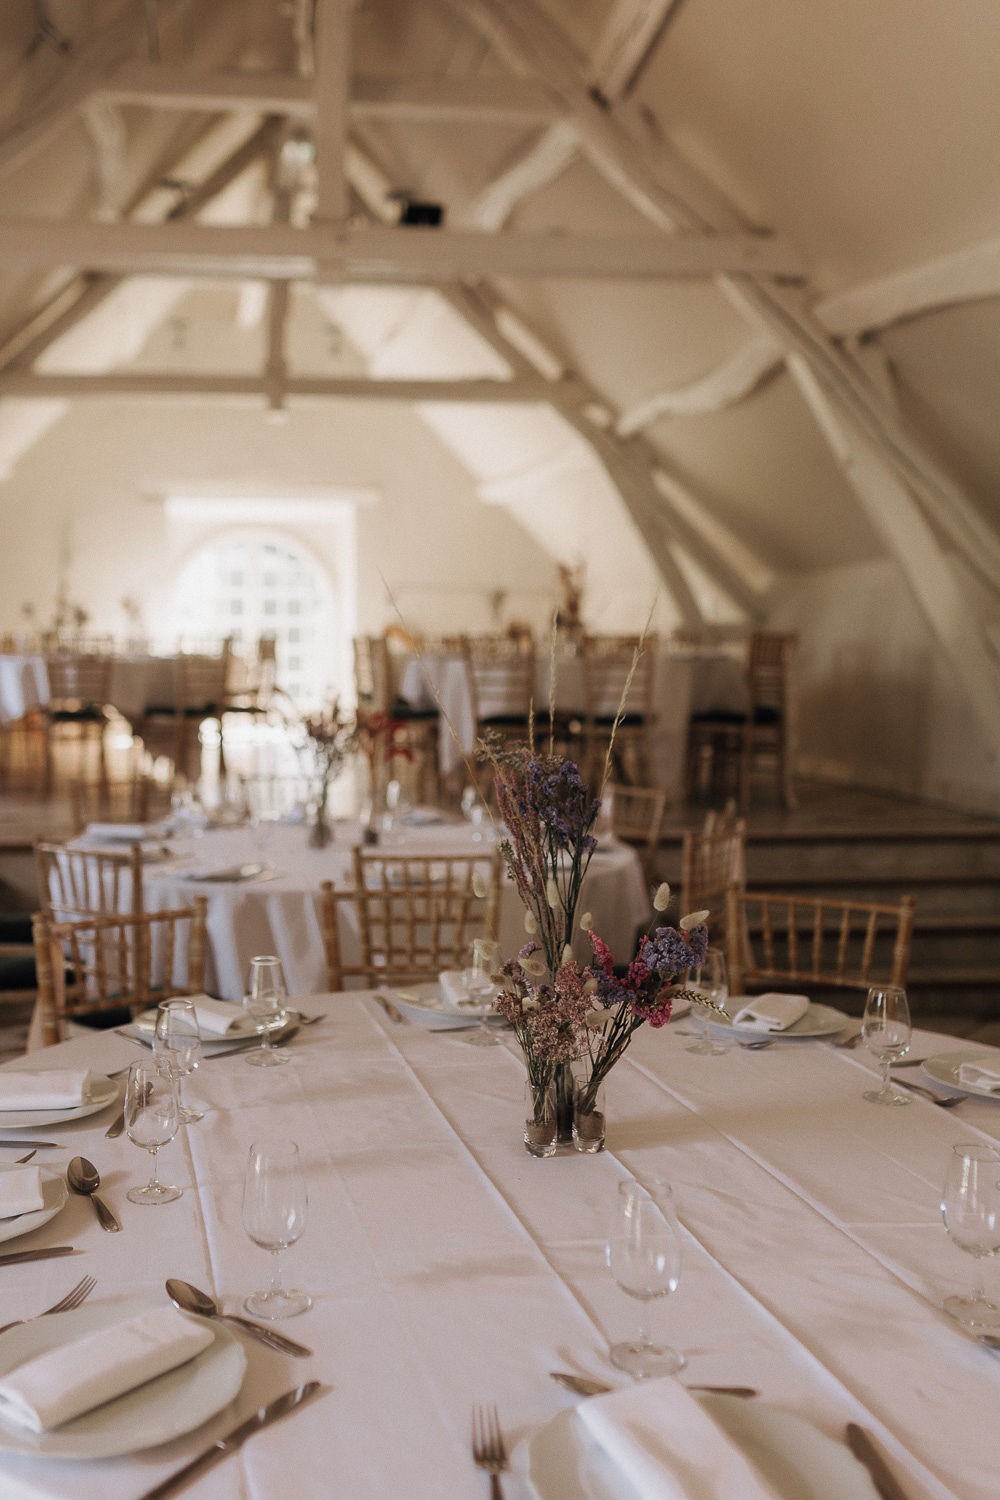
[89, 714]
[17, 972]
[15, 927]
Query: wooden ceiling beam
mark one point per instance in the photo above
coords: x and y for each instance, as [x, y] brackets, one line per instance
[332, 54]
[123, 383]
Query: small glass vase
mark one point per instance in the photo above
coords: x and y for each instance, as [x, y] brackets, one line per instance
[589, 1119]
[564, 1084]
[320, 827]
[539, 1119]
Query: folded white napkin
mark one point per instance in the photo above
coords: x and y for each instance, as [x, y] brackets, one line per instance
[772, 1012]
[59, 1385]
[454, 991]
[981, 1074]
[127, 833]
[216, 1017]
[49, 1088]
[667, 1447]
[21, 1192]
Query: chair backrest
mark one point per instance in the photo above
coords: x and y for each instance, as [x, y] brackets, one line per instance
[78, 680]
[100, 963]
[75, 882]
[637, 814]
[416, 915]
[618, 675]
[373, 673]
[713, 859]
[500, 673]
[769, 661]
[200, 681]
[136, 800]
[777, 939]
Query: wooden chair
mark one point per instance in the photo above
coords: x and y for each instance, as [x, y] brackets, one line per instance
[137, 799]
[500, 676]
[416, 735]
[416, 915]
[96, 968]
[637, 814]
[75, 882]
[618, 677]
[251, 681]
[776, 940]
[76, 713]
[174, 729]
[731, 744]
[713, 861]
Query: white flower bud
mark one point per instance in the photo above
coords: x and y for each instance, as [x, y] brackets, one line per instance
[591, 986]
[693, 919]
[533, 967]
[530, 925]
[479, 886]
[485, 949]
[662, 898]
[595, 1019]
[552, 893]
[587, 921]
[567, 954]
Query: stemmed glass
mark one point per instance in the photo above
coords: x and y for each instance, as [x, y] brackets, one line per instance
[970, 1207]
[643, 1253]
[274, 1215]
[481, 989]
[473, 812]
[177, 1048]
[152, 1119]
[266, 1000]
[712, 980]
[885, 1031]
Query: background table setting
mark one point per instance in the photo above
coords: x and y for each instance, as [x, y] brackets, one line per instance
[446, 1267]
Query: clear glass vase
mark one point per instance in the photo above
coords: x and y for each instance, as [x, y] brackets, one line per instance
[589, 1120]
[539, 1119]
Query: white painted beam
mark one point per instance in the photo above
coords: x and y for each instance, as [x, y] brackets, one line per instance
[964, 276]
[724, 386]
[544, 160]
[484, 100]
[332, 52]
[17, 382]
[631, 32]
[373, 254]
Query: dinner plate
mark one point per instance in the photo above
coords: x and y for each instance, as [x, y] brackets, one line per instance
[54, 1195]
[819, 1020]
[103, 1091]
[156, 1412]
[944, 1069]
[241, 1034]
[229, 873]
[424, 1005]
[799, 1461]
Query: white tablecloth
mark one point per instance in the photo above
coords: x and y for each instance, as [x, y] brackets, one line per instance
[137, 682]
[24, 685]
[684, 682]
[448, 1267]
[281, 914]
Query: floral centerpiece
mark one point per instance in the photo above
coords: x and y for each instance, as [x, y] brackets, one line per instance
[564, 1012]
[329, 739]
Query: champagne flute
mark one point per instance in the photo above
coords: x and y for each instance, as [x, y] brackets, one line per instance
[643, 1254]
[152, 1119]
[481, 989]
[275, 1201]
[177, 1048]
[712, 980]
[266, 1000]
[885, 1031]
[970, 1208]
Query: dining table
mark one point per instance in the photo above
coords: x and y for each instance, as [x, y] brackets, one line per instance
[262, 883]
[137, 681]
[685, 681]
[449, 1267]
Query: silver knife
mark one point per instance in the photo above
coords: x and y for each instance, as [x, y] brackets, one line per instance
[865, 1452]
[28, 1145]
[17, 1256]
[581, 1386]
[221, 1449]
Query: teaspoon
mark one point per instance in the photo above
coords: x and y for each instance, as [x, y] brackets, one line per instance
[190, 1299]
[83, 1177]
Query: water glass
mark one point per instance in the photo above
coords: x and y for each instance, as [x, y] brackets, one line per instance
[275, 1204]
[152, 1119]
[970, 1208]
[481, 990]
[267, 1001]
[177, 1048]
[643, 1254]
[885, 1031]
[711, 980]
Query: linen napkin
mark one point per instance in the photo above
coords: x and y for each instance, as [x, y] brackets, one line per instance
[74, 1378]
[980, 1074]
[215, 1017]
[21, 1192]
[667, 1446]
[122, 833]
[454, 990]
[51, 1088]
[772, 1012]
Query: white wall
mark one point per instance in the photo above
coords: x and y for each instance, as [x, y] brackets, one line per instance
[878, 706]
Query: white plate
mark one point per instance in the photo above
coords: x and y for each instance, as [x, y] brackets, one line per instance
[243, 1028]
[799, 1461]
[819, 1020]
[103, 1091]
[156, 1412]
[944, 1069]
[54, 1195]
[230, 874]
[424, 1005]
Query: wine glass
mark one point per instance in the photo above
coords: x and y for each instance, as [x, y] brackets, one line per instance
[643, 1254]
[274, 1215]
[177, 1048]
[885, 1031]
[970, 1207]
[481, 989]
[152, 1119]
[712, 980]
[473, 812]
[266, 1000]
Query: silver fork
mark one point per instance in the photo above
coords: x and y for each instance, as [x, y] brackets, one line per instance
[488, 1449]
[943, 1101]
[73, 1298]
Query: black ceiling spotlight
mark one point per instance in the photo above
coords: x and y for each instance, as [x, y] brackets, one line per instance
[412, 211]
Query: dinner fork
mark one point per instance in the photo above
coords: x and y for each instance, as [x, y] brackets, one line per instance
[488, 1449]
[73, 1298]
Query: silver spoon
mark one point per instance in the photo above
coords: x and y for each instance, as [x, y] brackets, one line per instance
[83, 1177]
[943, 1101]
[583, 1387]
[190, 1299]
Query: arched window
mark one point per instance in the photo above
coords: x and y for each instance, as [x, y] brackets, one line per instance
[249, 583]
